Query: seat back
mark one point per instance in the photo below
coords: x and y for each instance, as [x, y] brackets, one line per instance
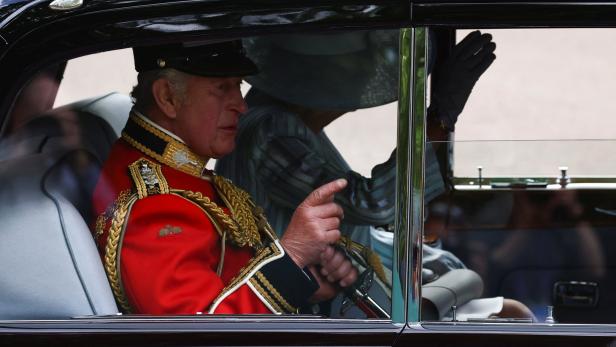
[51, 267]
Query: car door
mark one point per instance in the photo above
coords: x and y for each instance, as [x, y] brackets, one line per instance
[37, 36]
[537, 236]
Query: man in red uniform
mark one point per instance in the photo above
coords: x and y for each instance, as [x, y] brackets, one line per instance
[178, 239]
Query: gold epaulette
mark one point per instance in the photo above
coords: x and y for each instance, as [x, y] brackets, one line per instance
[148, 178]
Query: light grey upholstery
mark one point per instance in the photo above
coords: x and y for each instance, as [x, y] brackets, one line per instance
[112, 108]
[48, 169]
[50, 266]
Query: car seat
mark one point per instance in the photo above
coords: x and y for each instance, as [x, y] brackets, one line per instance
[49, 167]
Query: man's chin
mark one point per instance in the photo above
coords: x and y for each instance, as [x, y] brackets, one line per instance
[223, 152]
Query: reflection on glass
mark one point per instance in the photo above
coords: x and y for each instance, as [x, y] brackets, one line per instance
[530, 236]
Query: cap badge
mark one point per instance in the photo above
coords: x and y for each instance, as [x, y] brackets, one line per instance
[161, 62]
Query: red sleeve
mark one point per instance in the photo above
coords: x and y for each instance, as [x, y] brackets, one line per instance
[170, 253]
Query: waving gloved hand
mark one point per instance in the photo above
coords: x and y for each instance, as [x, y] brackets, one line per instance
[457, 76]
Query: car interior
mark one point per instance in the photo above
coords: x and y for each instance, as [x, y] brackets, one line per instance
[51, 164]
[540, 236]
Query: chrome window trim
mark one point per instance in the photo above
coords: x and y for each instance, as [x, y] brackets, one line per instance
[401, 225]
[410, 171]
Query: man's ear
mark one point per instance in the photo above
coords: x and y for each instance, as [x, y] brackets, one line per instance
[164, 97]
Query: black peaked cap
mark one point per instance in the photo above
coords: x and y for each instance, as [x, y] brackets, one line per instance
[220, 59]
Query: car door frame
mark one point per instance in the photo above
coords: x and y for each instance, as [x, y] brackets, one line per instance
[36, 36]
[475, 15]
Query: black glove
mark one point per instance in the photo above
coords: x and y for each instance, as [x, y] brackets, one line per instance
[457, 76]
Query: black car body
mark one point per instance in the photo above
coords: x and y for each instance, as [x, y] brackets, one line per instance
[33, 36]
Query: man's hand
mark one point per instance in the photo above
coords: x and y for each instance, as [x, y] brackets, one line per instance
[326, 291]
[314, 225]
[336, 272]
[337, 268]
[457, 75]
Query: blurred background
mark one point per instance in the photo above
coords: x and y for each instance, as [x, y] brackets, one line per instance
[546, 84]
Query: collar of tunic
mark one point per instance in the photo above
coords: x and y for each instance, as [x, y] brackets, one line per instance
[162, 145]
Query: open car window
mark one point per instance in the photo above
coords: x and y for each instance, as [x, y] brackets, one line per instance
[54, 156]
[530, 199]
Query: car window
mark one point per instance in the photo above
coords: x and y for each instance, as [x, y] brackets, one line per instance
[529, 201]
[551, 112]
[68, 144]
[97, 74]
[37, 96]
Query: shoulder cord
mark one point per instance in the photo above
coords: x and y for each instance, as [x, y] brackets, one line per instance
[118, 227]
[116, 232]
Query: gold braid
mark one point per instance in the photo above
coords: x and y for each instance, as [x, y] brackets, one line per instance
[103, 218]
[239, 205]
[243, 225]
[111, 255]
[229, 224]
[122, 207]
[275, 293]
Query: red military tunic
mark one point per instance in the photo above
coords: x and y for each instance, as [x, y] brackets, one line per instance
[167, 249]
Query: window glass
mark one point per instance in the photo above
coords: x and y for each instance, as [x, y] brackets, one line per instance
[103, 168]
[376, 126]
[548, 93]
[526, 224]
[37, 96]
[97, 74]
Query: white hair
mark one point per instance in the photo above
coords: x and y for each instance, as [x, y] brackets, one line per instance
[142, 92]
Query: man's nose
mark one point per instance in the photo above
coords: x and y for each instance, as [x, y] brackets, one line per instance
[239, 103]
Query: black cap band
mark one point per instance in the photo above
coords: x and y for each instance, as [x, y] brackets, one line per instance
[221, 59]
